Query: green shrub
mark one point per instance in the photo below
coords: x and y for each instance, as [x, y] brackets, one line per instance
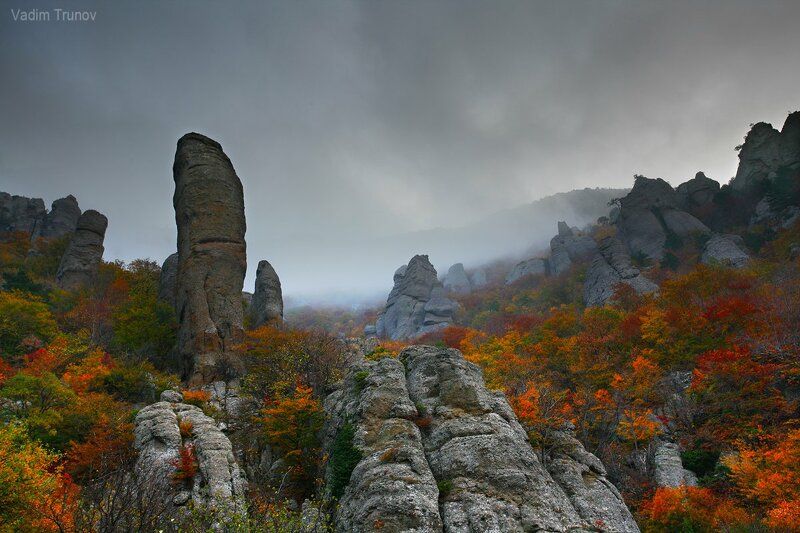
[344, 458]
[360, 379]
[699, 461]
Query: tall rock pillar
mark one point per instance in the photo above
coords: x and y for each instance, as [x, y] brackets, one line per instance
[209, 212]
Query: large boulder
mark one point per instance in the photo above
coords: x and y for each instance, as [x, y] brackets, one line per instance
[441, 452]
[84, 253]
[567, 247]
[456, 280]
[767, 152]
[478, 279]
[697, 193]
[526, 268]
[267, 302]
[611, 266]
[162, 429]
[209, 212]
[168, 280]
[668, 470]
[723, 249]
[417, 304]
[649, 214]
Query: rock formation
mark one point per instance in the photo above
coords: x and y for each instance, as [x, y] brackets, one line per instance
[18, 213]
[62, 218]
[218, 484]
[456, 280]
[567, 247]
[267, 303]
[417, 304]
[610, 266]
[529, 267]
[209, 211]
[168, 280]
[478, 279]
[668, 468]
[649, 214]
[767, 152]
[723, 249]
[440, 452]
[82, 257]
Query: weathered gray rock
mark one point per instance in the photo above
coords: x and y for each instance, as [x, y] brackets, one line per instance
[168, 280]
[478, 279]
[529, 267]
[567, 247]
[723, 249]
[218, 484]
[82, 257]
[466, 464]
[209, 211]
[18, 213]
[62, 219]
[417, 304]
[456, 280]
[583, 478]
[267, 303]
[649, 213]
[392, 484]
[611, 266]
[668, 468]
[696, 193]
[766, 153]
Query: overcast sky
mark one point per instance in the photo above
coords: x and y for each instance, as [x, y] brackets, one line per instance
[353, 120]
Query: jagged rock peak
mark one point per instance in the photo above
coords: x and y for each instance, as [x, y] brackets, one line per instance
[567, 247]
[416, 304]
[19, 213]
[209, 212]
[456, 280]
[82, 257]
[267, 302]
[440, 452]
[767, 152]
[529, 267]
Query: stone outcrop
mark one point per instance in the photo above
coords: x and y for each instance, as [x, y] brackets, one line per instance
[668, 468]
[62, 219]
[168, 280]
[456, 280]
[568, 247]
[697, 193]
[767, 152]
[267, 303]
[529, 267]
[611, 266]
[649, 214]
[19, 213]
[209, 212]
[440, 452]
[218, 484]
[417, 303]
[723, 249]
[82, 257]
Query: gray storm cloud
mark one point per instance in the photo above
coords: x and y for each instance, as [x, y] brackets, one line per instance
[353, 122]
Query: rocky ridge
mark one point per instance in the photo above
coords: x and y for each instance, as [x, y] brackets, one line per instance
[440, 452]
[84, 253]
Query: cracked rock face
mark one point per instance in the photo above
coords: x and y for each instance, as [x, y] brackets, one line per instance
[18, 213]
[668, 468]
[611, 266]
[267, 302]
[82, 257]
[417, 303]
[218, 484]
[440, 452]
[767, 151]
[567, 248]
[209, 212]
[62, 218]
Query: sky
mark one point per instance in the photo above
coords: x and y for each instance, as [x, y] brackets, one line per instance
[352, 122]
